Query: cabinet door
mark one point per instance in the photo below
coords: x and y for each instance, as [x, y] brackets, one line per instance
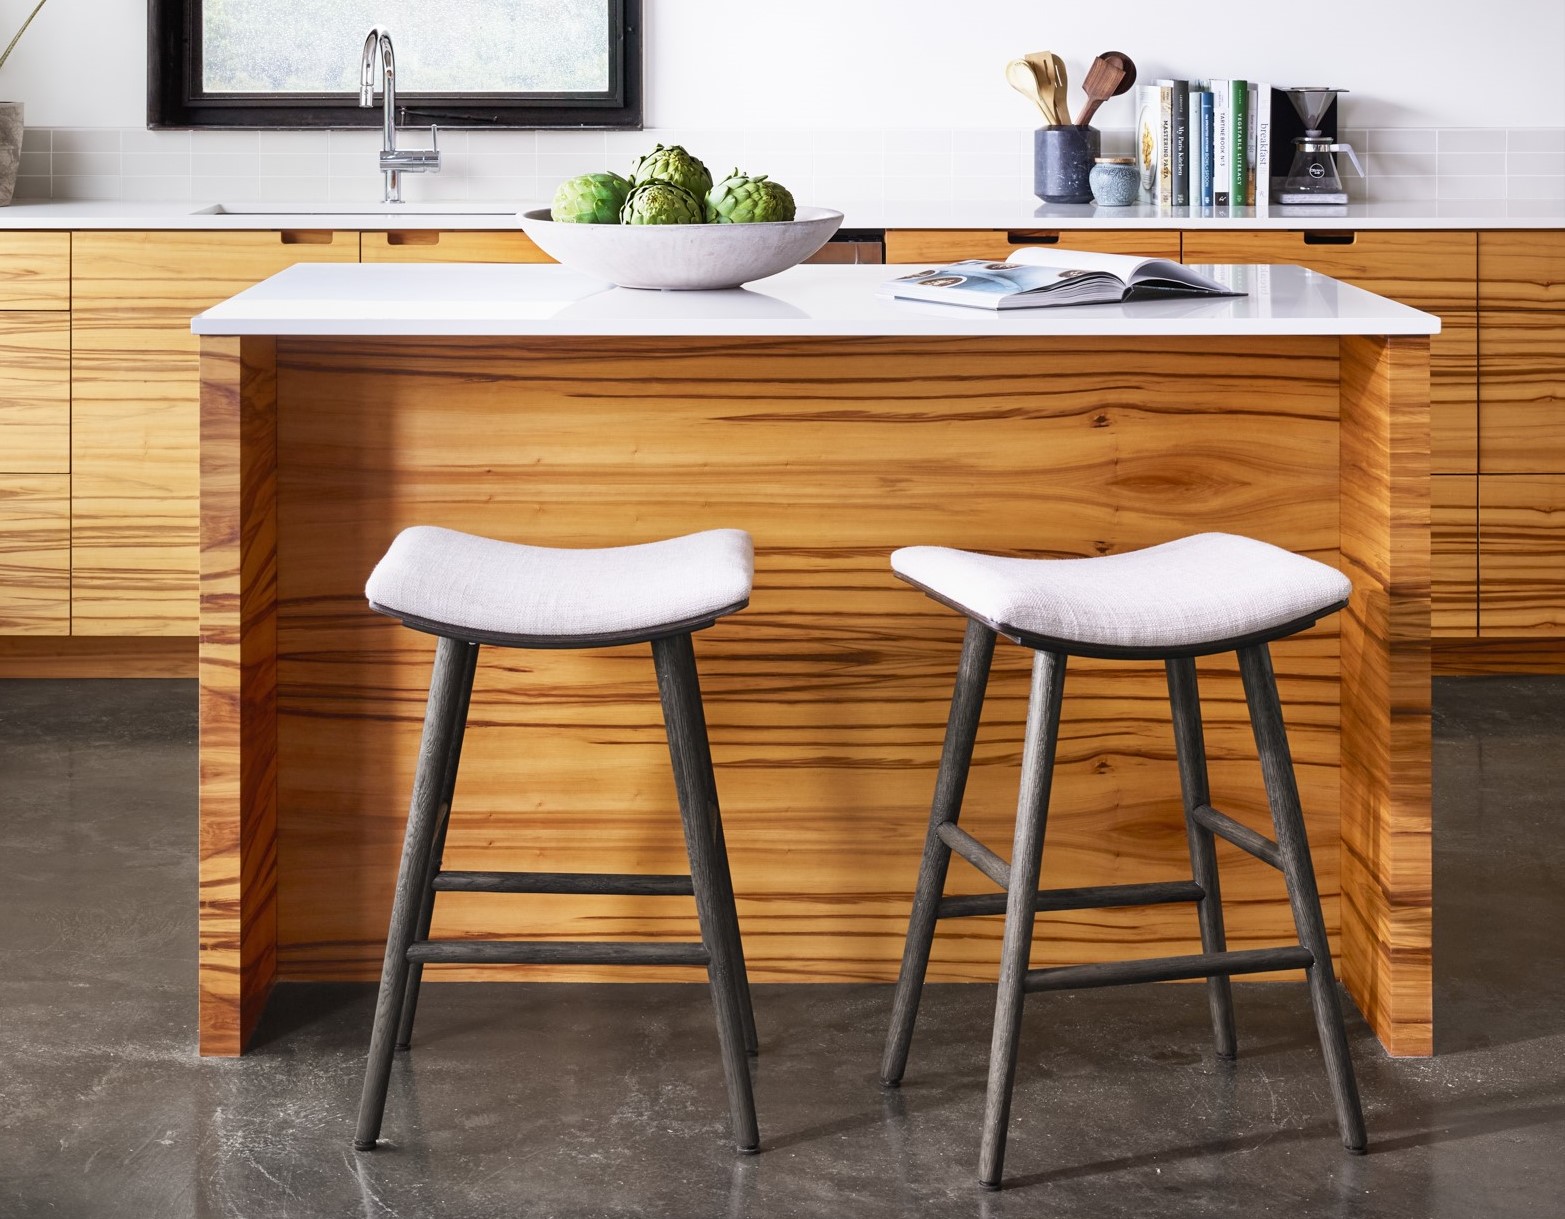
[948, 245]
[35, 270]
[35, 554]
[430, 245]
[135, 420]
[1433, 271]
[35, 393]
[1521, 556]
[1453, 524]
[1521, 319]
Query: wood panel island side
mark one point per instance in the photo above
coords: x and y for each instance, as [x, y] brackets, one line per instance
[340, 404]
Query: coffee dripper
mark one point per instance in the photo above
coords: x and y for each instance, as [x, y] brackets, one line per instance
[1313, 178]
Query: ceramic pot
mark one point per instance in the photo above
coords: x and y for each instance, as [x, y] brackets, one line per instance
[10, 148]
[1062, 163]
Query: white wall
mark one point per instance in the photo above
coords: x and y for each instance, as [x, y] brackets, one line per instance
[937, 63]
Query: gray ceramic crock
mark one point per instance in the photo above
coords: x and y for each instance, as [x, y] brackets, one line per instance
[1062, 163]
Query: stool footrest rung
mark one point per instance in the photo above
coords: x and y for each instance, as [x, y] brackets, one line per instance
[1095, 897]
[1242, 836]
[554, 952]
[614, 884]
[1168, 969]
[980, 856]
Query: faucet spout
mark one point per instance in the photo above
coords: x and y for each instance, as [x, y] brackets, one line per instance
[392, 162]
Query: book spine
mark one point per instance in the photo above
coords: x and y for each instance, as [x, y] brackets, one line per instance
[1165, 143]
[1180, 110]
[1222, 142]
[1262, 110]
[1240, 162]
[1201, 190]
[1146, 140]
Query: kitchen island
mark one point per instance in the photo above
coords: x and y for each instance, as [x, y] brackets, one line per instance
[341, 403]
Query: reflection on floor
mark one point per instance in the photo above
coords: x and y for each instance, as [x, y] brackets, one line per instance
[540, 1100]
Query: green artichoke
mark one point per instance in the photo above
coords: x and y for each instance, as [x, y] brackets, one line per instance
[590, 199]
[673, 164]
[660, 203]
[743, 198]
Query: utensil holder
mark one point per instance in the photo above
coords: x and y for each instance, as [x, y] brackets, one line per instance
[1062, 163]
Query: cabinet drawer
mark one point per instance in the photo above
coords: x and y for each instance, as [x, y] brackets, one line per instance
[1433, 271]
[35, 554]
[35, 393]
[429, 245]
[1521, 556]
[1453, 520]
[1521, 318]
[948, 245]
[35, 270]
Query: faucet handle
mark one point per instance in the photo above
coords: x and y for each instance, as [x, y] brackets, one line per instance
[434, 138]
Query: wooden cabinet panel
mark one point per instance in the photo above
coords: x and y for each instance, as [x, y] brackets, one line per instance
[35, 550]
[946, 245]
[1434, 271]
[35, 393]
[134, 414]
[1453, 519]
[35, 270]
[428, 245]
[1521, 556]
[1521, 312]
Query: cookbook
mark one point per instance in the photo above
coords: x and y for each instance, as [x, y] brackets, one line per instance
[1034, 278]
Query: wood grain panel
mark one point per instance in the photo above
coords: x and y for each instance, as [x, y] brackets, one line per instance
[1386, 879]
[35, 270]
[96, 656]
[35, 546]
[1453, 525]
[1481, 657]
[135, 415]
[947, 245]
[827, 696]
[1521, 556]
[1433, 271]
[237, 952]
[460, 245]
[35, 393]
[1521, 301]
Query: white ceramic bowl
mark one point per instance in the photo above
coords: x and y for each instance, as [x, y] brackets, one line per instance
[683, 256]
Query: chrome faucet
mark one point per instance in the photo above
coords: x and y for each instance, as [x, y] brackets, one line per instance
[394, 162]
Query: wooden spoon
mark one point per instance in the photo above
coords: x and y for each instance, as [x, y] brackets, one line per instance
[1050, 69]
[1023, 77]
[1111, 74]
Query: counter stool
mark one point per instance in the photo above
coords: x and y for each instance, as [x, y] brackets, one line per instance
[1194, 597]
[469, 591]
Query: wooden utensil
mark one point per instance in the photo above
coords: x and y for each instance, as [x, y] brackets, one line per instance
[1023, 77]
[1101, 83]
[1050, 69]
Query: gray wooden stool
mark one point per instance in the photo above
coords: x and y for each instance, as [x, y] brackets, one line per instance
[1193, 597]
[468, 591]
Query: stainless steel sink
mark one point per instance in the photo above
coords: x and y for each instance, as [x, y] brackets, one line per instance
[357, 209]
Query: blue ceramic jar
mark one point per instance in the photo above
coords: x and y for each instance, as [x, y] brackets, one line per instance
[1114, 181]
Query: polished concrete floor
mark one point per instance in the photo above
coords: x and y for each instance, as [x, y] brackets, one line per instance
[585, 1101]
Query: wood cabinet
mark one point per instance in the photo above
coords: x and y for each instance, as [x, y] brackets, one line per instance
[431, 245]
[134, 422]
[35, 270]
[35, 554]
[35, 393]
[1521, 556]
[1453, 557]
[1521, 310]
[947, 245]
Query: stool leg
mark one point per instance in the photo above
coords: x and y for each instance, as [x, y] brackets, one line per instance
[679, 687]
[727, 905]
[445, 697]
[1185, 698]
[956, 756]
[1282, 791]
[1032, 811]
[437, 853]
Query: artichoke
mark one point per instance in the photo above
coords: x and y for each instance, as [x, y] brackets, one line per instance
[660, 203]
[673, 164]
[743, 198]
[590, 199]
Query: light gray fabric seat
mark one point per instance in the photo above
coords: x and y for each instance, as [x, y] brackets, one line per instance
[486, 587]
[1199, 590]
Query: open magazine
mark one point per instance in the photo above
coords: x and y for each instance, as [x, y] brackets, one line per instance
[1037, 277]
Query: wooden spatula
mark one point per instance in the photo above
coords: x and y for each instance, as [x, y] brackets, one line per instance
[1053, 82]
[1111, 74]
[1023, 77]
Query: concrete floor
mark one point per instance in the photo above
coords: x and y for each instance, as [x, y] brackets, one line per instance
[578, 1101]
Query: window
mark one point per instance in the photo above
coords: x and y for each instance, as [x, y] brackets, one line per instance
[470, 63]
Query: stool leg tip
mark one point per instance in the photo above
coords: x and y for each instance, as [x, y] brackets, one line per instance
[402, 1047]
[363, 1145]
[891, 1083]
[992, 1187]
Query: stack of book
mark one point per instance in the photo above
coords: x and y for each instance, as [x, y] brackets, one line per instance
[1204, 143]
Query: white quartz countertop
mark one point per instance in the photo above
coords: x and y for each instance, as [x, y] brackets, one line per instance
[326, 299]
[1018, 214]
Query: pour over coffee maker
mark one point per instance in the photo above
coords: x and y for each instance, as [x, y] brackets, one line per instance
[1313, 177]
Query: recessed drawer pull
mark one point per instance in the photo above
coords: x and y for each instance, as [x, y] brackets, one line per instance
[307, 236]
[1026, 238]
[414, 237]
[1332, 238]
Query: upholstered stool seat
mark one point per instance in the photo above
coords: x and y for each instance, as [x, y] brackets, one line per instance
[1199, 595]
[1199, 591]
[471, 592]
[485, 589]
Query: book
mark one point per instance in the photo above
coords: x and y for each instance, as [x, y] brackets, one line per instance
[1201, 180]
[1146, 136]
[1165, 143]
[1035, 278]
[1222, 141]
[1261, 144]
[1179, 141]
[1239, 163]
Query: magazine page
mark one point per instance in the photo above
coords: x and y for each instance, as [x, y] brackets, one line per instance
[990, 283]
[1129, 269]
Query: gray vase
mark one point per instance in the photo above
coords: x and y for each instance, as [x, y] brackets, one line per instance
[10, 148]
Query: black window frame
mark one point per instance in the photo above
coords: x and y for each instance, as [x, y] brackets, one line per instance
[174, 99]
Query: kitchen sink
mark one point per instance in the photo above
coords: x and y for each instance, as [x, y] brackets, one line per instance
[356, 209]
